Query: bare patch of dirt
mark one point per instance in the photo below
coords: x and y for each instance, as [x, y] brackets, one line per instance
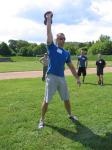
[35, 74]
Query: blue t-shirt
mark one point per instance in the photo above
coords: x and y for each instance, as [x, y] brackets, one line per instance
[57, 59]
[82, 59]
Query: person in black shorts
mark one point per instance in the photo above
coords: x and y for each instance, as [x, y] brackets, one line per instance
[82, 65]
[100, 64]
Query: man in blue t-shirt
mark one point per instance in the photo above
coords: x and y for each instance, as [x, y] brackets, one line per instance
[55, 80]
[82, 65]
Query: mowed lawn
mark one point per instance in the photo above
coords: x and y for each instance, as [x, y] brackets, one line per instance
[35, 65]
[32, 63]
[20, 104]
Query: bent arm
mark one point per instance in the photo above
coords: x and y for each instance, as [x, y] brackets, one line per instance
[41, 60]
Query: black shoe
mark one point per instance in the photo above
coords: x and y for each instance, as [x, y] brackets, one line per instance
[43, 79]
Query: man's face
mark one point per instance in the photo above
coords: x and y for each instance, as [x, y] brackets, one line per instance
[82, 52]
[99, 56]
[61, 39]
[45, 55]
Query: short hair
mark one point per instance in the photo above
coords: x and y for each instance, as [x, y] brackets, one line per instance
[99, 55]
[59, 34]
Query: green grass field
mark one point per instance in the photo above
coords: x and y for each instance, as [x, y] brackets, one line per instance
[20, 103]
[31, 63]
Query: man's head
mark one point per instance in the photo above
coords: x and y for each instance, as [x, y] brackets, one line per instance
[82, 52]
[45, 54]
[60, 39]
[99, 56]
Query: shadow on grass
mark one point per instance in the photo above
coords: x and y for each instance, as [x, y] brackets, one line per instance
[90, 83]
[105, 84]
[86, 137]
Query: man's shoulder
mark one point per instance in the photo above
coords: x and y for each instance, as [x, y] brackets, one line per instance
[79, 56]
[85, 56]
[51, 45]
[97, 61]
[102, 59]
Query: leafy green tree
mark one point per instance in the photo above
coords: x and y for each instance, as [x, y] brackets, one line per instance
[103, 46]
[13, 45]
[4, 49]
[24, 48]
[72, 47]
[22, 44]
[23, 51]
[29, 52]
[37, 50]
[104, 38]
[43, 48]
[31, 49]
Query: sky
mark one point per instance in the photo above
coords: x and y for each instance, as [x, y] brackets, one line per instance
[79, 20]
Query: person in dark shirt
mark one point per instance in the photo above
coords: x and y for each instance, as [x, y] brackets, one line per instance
[82, 64]
[100, 64]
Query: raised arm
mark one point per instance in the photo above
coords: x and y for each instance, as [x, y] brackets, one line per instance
[48, 17]
[41, 60]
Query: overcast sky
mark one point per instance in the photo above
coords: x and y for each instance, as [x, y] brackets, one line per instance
[80, 20]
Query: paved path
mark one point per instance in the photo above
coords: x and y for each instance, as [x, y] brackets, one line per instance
[34, 74]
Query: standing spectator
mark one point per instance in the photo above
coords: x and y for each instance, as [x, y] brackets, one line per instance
[100, 64]
[55, 80]
[44, 61]
[82, 64]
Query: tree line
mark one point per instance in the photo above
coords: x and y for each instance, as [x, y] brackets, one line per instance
[23, 48]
